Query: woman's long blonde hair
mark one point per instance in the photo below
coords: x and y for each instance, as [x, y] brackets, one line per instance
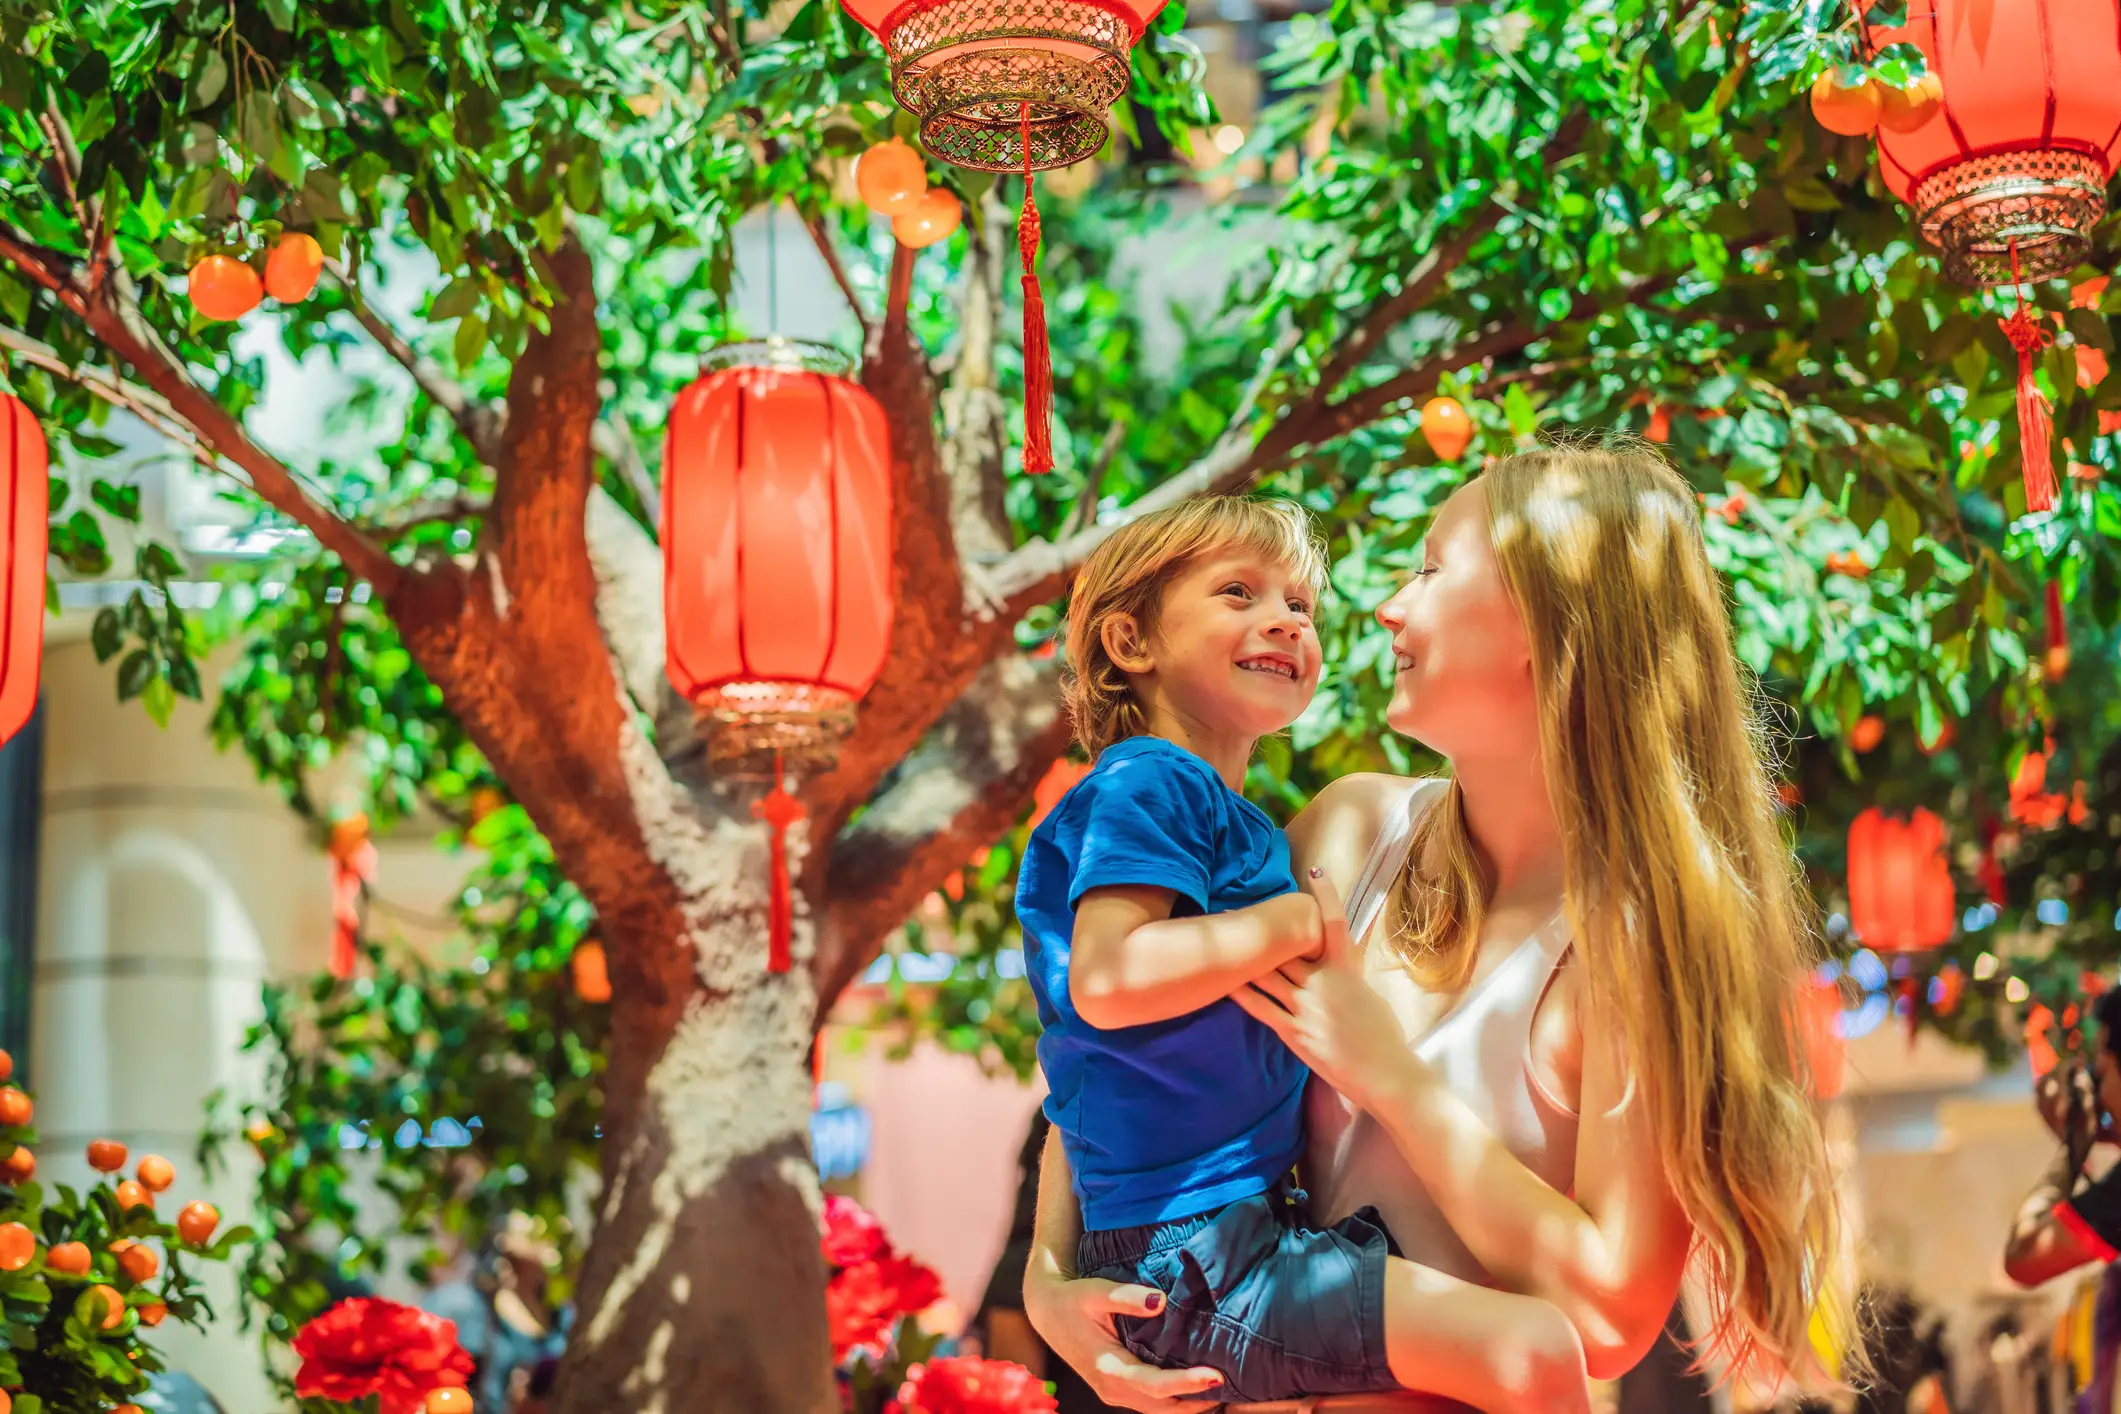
[1689, 912]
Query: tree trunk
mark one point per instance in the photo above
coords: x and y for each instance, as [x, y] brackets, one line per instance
[700, 1292]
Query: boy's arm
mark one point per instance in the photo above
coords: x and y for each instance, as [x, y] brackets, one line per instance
[1130, 962]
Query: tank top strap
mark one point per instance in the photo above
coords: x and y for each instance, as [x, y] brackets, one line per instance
[1373, 886]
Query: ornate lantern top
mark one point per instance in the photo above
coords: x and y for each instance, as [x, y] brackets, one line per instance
[2016, 158]
[1008, 85]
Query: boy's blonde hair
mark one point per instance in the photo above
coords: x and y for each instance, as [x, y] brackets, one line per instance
[1128, 574]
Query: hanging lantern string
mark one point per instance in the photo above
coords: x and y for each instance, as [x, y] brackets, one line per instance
[2028, 336]
[1038, 359]
[779, 810]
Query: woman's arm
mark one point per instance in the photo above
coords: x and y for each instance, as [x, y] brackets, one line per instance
[1131, 963]
[1611, 1257]
[1073, 1315]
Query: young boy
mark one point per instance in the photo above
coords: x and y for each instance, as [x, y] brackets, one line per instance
[1151, 893]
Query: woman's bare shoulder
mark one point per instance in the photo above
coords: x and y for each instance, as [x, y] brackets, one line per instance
[1344, 819]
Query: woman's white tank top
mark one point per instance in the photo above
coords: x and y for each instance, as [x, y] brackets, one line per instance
[1482, 1049]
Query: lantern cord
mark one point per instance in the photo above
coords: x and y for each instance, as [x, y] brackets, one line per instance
[2035, 418]
[2057, 631]
[1038, 358]
[773, 269]
[779, 810]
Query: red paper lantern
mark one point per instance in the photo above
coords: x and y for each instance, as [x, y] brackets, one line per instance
[776, 549]
[22, 622]
[1819, 1019]
[1900, 887]
[2013, 164]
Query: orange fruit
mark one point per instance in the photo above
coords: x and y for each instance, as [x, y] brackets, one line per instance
[449, 1400]
[1867, 733]
[592, 976]
[259, 1130]
[348, 835]
[156, 1172]
[891, 178]
[1848, 109]
[139, 1263]
[1945, 733]
[1446, 427]
[106, 1155]
[1788, 796]
[223, 287]
[17, 1245]
[15, 1107]
[150, 1315]
[68, 1257]
[126, 1409]
[484, 802]
[20, 1166]
[292, 268]
[113, 1305]
[7, 1401]
[196, 1222]
[1904, 109]
[2056, 660]
[133, 1194]
[1660, 425]
[7, 1065]
[930, 219]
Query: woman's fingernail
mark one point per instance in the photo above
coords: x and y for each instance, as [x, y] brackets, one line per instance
[1318, 873]
[1155, 1303]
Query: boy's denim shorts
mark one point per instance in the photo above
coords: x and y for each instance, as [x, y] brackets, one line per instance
[1281, 1308]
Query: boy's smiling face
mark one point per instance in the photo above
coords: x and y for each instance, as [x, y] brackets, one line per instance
[1232, 653]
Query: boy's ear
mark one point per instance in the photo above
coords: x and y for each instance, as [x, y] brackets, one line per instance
[1125, 644]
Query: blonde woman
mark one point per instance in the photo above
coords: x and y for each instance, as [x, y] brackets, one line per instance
[1559, 1057]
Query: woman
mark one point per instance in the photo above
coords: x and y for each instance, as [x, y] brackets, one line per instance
[1564, 1062]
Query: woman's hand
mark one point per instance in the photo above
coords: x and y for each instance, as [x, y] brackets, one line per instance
[1074, 1317]
[1332, 1017]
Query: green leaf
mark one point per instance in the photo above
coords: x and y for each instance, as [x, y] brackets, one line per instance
[106, 635]
[459, 298]
[207, 79]
[470, 341]
[120, 501]
[160, 699]
[281, 13]
[135, 673]
[258, 126]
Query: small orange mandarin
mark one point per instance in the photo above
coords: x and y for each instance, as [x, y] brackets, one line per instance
[1850, 109]
[15, 1107]
[223, 287]
[126, 1409]
[134, 1194]
[891, 178]
[106, 1155]
[113, 1305]
[933, 217]
[68, 1257]
[20, 1166]
[1867, 733]
[1446, 427]
[449, 1399]
[139, 1263]
[1904, 109]
[150, 1315]
[196, 1222]
[292, 268]
[7, 1401]
[156, 1172]
[17, 1245]
[7, 1065]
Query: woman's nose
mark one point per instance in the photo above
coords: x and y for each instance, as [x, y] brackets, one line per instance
[1392, 614]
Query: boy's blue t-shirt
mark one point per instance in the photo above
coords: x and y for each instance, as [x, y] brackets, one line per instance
[1182, 1116]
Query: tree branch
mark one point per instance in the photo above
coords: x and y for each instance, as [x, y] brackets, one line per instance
[900, 294]
[629, 607]
[144, 403]
[480, 422]
[440, 511]
[114, 318]
[615, 444]
[1421, 286]
[974, 419]
[828, 249]
[960, 788]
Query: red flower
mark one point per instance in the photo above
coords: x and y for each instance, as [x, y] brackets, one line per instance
[852, 1233]
[958, 1385]
[863, 1302]
[363, 1346]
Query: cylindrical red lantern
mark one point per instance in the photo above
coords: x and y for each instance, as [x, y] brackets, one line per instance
[27, 505]
[2014, 163]
[776, 549]
[1819, 1023]
[1008, 85]
[1900, 886]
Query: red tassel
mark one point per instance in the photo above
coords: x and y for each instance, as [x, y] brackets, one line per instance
[2057, 632]
[353, 868]
[2035, 418]
[1989, 874]
[779, 810]
[1038, 358]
